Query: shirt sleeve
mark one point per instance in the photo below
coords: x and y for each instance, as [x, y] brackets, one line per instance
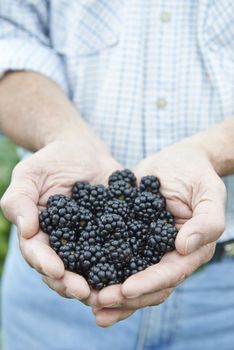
[25, 42]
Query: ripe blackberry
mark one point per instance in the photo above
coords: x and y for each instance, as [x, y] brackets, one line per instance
[61, 214]
[122, 191]
[91, 197]
[102, 275]
[149, 183]
[61, 236]
[162, 235]
[90, 235]
[80, 190]
[118, 207]
[117, 251]
[97, 198]
[90, 255]
[112, 226]
[125, 175]
[45, 221]
[147, 206]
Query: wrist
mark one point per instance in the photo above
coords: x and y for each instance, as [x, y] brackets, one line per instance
[75, 130]
[217, 145]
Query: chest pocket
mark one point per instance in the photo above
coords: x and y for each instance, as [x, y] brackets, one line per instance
[84, 27]
[219, 26]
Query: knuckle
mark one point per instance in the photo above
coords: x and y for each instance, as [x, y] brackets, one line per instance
[5, 202]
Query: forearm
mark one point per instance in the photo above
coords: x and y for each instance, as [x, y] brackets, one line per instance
[218, 143]
[34, 111]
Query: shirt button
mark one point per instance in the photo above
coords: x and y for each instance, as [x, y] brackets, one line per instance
[161, 102]
[165, 17]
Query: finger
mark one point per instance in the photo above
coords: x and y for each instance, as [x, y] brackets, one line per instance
[137, 303]
[107, 317]
[19, 202]
[207, 223]
[110, 296]
[170, 271]
[71, 285]
[40, 256]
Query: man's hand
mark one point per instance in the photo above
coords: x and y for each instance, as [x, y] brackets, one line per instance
[37, 115]
[53, 170]
[196, 197]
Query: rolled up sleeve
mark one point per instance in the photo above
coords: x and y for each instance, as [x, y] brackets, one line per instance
[25, 41]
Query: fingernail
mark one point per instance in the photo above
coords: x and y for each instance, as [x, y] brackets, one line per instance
[19, 225]
[193, 243]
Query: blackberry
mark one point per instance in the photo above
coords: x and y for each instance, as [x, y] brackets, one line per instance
[61, 214]
[97, 198]
[118, 251]
[122, 191]
[89, 256]
[147, 206]
[45, 221]
[162, 235]
[112, 226]
[80, 190]
[91, 197]
[118, 207]
[60, 237]
[149, 183]
[90, 235]
[102, 275]
[137, 231]
[125, 175]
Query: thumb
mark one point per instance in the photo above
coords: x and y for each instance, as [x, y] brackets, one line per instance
[207, 222]
[19, 203]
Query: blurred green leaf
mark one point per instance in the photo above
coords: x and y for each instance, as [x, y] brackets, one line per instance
[8, 159]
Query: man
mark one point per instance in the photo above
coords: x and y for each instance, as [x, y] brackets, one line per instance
[91, 86]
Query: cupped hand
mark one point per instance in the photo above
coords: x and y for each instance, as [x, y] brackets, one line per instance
[51, 170]
[196, 197]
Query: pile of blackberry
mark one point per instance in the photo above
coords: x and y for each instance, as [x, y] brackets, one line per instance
[109, 234]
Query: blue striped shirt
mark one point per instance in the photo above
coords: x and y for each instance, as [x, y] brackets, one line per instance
[145, 74]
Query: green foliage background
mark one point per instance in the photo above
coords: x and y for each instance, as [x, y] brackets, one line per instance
[8, 159]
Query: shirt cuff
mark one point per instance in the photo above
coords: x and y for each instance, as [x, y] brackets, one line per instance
[18, 54]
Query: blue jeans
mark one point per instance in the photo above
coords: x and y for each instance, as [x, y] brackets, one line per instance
[198, 315]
